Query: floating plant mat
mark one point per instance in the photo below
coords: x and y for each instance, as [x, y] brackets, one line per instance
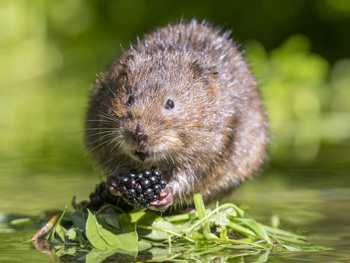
[226, 231]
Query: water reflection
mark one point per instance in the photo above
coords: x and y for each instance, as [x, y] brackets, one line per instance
[300, 197]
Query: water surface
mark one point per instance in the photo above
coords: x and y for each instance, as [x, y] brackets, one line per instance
[312, 200]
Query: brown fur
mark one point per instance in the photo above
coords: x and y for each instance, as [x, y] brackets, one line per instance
[214, 137]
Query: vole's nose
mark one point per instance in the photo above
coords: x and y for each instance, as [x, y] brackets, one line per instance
[139, 135]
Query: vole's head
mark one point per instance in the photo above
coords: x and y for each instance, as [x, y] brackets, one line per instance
[161, 105]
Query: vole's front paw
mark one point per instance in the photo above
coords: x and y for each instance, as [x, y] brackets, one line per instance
[166, 199]
[113, 185]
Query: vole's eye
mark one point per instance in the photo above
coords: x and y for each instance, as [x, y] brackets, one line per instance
[131, 100]
[169, 104]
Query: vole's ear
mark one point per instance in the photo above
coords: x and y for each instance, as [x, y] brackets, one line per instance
[203, 71]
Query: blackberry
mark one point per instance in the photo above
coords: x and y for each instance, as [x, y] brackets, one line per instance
[145, 183]
[138, 189]
[101, 197]
[157, 189]
[149, 194]
[147, 173]
[153, 179]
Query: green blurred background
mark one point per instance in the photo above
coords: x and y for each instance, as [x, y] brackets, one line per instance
[51, 51]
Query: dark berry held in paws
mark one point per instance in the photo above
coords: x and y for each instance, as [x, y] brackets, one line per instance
[101, 196]
[149, 194]
[132, 174]
[157, 189]
[140, 188]
[139, 177]
[141, 199]
[146, 183]
[158, 174]
[104, 194]
[146, 173]
[131, 183]
[153, 179]
[124, 180]
[162, 183]
[130, 193]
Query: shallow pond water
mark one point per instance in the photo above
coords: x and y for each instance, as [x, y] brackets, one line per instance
[314, 200]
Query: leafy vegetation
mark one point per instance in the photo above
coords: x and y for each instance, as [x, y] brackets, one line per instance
[226, 231]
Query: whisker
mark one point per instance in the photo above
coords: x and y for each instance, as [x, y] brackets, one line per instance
[99, 77]
[85, 129]
[95, 141]
[111, 118]
[106, 121]
[115, 145]
[101, 132]
[103, 114]
[99, 145]
[91, 129]
[110, 108]
[108, 134]
[111, 135]
[98, 133]
[114, 138]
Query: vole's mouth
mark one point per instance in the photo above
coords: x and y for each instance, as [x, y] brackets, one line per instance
[142, 155]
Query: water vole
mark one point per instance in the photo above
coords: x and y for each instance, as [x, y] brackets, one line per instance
[184, 100]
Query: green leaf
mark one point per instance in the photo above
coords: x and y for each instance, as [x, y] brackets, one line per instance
[200, 208]
[143, 217]
[290, 248]
[71, 234]
[60, 231]
[255, 227]
[111, 219]
[98, 256]
[276, 231]
[158, 234]
[241, 229]
[263, 258]
[144, 245]
[173, 238]
[78, 220]
[244, 207]
[221, 219]
[159, 253]
[104, 239]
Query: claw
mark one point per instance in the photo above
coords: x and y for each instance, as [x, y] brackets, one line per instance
[166, 199]
[112, 185]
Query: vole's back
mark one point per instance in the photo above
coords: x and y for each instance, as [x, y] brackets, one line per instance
[214, 134]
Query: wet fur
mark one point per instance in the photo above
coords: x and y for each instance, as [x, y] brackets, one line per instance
[212, 140]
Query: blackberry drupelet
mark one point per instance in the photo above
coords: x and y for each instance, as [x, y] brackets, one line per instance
[101, 197]
[138, 189]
